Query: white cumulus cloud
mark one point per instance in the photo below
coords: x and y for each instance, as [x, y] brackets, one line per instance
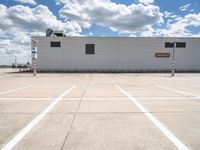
[185, 7]
[170, 14]
[146, 2]
[20, 22]
[118, 17]
[33, 2]
[180, 26]
[37, 19]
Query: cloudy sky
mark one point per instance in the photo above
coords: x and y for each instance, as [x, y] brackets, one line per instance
[20, 19]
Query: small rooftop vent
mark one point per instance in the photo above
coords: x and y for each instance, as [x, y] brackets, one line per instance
[50, 32]
[59, 34]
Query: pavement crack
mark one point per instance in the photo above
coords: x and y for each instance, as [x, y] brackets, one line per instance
[76, 112]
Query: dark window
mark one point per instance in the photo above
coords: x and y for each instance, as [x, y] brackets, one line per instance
[55, 44]
[169, 45]
[180, 44]
[89, 48]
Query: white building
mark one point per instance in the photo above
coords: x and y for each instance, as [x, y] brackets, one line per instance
[125, 54]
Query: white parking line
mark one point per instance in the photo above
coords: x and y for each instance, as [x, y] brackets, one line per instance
[156, 122]
[2, 77]
[103, 75]
[25, 130]
[86, 76]
[21, 88]
[104, 98]
[178, 91]
[99, 98]
[25, 98]
[142, 98]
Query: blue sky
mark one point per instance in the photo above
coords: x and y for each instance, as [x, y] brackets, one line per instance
[24, 18]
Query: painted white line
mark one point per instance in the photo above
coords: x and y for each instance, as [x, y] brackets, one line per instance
[156, 122]
[4, 76]
[25, 130]
[86, 76]
[34, 98]
[178, 91]
[99, 98]
[167, 98]
[21, 88]
[25, 98]
[103, 75]
[142, 98]
[104, 98]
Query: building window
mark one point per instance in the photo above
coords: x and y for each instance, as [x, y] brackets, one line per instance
[55, 44]
[169, 45]
[89, 49]
[180, 44]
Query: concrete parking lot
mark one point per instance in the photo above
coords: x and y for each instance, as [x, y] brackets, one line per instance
[99, 111]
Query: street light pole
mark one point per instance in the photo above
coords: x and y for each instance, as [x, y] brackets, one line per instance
[34, 56]
[173, 60]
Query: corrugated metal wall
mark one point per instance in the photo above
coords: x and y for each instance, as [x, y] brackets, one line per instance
[116, 54]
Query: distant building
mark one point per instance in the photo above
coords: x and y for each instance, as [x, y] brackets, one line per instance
[116, 54]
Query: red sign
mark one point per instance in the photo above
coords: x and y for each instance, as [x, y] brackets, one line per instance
[162, 54]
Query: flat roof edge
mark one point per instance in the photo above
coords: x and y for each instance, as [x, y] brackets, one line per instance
[108, 37]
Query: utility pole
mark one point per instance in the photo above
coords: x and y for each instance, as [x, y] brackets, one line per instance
[34, 56]
[173, 58]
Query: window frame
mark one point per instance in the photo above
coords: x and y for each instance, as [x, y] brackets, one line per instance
[169, 44]
[181, 44]
[55, 46]
[89, 49]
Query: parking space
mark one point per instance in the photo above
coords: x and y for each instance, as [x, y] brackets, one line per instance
[115, 131]
[49, 134]
[72, 111]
